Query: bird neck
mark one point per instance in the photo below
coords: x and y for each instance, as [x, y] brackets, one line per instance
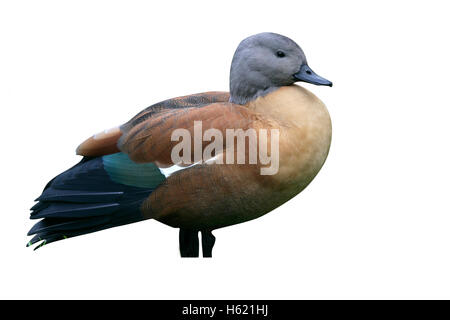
[243, 94]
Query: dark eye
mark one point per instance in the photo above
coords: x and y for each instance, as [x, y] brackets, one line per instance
[280, 54]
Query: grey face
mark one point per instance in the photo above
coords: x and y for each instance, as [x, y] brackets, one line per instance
[264, 62]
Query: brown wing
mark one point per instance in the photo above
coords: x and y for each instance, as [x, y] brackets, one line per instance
[150, 140]
[107, 142]
[101, 143]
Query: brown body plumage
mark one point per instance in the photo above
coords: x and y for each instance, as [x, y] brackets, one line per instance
[212, 196]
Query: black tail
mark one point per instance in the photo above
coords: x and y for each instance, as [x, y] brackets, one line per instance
[82, 200]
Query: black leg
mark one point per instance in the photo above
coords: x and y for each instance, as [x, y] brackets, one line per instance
[208, 241]
[189, 246]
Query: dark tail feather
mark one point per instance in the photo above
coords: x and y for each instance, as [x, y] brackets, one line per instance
[50, 194]
[61, 224]
[75, 210]
[82, 200]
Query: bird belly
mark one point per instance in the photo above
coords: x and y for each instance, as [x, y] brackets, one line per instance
[214, 196]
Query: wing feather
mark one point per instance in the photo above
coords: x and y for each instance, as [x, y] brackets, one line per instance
[150, 141]
[106, 142]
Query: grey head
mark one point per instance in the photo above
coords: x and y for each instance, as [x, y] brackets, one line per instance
[266, 61]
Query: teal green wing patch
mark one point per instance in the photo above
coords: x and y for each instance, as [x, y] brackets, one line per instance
[122, 169]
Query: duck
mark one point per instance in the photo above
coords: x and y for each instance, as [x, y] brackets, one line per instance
[152, 167]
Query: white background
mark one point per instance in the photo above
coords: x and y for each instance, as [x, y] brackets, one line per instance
[374, 223]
